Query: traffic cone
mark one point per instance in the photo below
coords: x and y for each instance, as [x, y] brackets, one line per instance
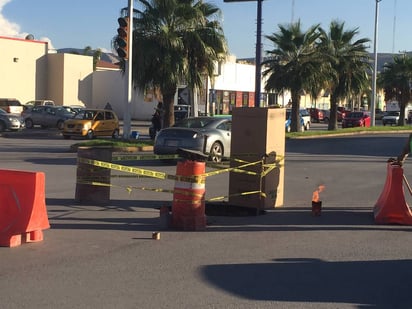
[391, 207]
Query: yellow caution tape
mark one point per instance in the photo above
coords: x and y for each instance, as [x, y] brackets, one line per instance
[142, 172]
[142, 157]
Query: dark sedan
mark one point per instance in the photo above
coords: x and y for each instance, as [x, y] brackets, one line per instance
[209, 135]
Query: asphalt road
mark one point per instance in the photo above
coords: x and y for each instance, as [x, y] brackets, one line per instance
[104, 257]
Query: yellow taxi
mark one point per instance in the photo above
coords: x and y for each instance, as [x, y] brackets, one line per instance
[90, 123]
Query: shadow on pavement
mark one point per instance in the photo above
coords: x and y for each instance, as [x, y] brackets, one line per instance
[371, 284]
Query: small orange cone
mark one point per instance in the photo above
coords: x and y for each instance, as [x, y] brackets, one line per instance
[391, 207]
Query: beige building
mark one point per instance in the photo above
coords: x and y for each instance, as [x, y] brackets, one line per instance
[30, 71]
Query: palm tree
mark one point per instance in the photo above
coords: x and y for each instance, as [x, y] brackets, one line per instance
[349, 65]
[396, 81]
[294, 64]
[174, 42]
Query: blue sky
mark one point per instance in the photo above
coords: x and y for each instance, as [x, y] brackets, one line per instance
[81, 23]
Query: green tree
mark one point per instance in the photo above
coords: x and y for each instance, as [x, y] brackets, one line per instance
[295, 64]
[396, 81]
[349, 65]
[175, 42]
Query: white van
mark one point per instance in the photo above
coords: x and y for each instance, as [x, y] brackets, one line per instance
[12, 106]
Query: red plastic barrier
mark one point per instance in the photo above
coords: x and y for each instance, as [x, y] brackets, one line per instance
[188, 209]
[23, 213]
[391, 207]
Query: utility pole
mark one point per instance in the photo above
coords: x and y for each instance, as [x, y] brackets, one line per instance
[129, 64]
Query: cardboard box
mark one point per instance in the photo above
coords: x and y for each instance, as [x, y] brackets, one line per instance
[258, 136]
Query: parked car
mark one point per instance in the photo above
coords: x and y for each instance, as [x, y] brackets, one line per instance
[181, 111]
[316, 115]
[379, 114]
[288, 122]
[209, 135]
[10, 122]
[71, 109]
[306, 118]
[356, 119]
[11, 106]
[91, 123]
[40, 102]
[326, 115]
[343, 110]
[391, 118]
[46, 116]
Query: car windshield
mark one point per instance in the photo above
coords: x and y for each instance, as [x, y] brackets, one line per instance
[86, 115]
[355, 115]
[392, 113]
[197, 123]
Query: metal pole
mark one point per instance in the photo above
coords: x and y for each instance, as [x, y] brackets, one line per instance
[258, 66]
[375, 64]
[129, 63]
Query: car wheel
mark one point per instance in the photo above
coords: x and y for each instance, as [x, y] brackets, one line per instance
[60, 125]
[115, 134]
[216, 152]
[29, 123]
[326, 120]
[90, 134]
[2, 126]
[66, 136]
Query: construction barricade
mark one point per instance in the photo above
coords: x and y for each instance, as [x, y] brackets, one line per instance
[391, 207]
[188, 209]
[23, 208]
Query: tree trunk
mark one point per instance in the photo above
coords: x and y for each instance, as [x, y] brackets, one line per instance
[404, 99]
[333, 119]
[295, 125]
[169, 112]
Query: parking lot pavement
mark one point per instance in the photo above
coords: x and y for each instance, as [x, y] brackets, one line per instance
[104, 256]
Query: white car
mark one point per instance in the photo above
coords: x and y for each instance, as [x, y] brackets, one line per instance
[306, 118]
[391, 118]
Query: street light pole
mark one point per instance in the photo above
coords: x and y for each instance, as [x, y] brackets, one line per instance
[375, 64]
[258, 57]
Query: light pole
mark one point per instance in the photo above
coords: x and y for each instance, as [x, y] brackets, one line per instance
[375, 64]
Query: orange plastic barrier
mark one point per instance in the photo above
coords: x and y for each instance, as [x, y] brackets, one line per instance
[391, 207]
[188, 209]
[23, 213]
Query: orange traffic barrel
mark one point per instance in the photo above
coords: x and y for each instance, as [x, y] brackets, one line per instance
[188, 208]
[391, 207]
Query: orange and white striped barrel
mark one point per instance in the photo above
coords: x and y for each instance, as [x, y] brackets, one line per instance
[188, 209]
